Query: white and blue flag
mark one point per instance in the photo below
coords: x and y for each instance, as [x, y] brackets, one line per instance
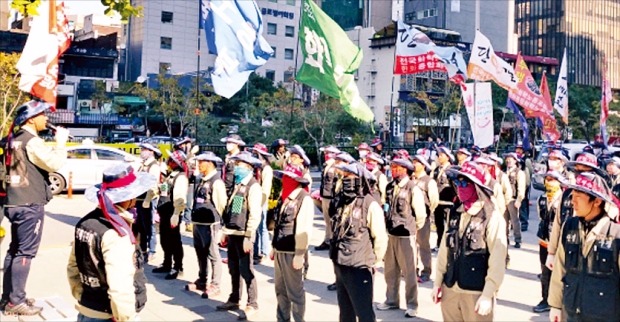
[234, 34]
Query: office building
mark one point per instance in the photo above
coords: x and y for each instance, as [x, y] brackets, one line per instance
[364, 13]
[588, 30]
[496, 19]
[165, 39]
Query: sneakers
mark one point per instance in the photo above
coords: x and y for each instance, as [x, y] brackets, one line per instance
[517, 245]
[258, 260]
[228, 306]
[162, 269]
[189, 227]
[543, 306]
[248, 312]
[332, 287]
[323, 246]
[173, 274]
[385, 307]
[424, 279]
[410, 313]
[23, 308]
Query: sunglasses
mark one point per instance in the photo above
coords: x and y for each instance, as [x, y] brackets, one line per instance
[460, 182]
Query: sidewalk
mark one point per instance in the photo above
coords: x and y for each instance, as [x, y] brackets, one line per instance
[167, 301]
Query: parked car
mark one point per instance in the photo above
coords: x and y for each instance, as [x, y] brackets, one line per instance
[85, 165]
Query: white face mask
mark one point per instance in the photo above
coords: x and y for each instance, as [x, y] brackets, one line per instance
[363, 153]
[230, 147]
[555, 164]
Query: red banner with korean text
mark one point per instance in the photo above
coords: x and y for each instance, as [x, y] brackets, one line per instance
[426, 62]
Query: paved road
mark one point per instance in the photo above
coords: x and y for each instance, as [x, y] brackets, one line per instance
[167, 301]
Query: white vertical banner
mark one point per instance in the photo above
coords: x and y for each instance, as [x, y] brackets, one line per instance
[480, 112]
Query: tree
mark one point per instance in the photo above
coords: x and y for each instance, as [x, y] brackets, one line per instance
[122, 7]
[10, 94]
[100, 99]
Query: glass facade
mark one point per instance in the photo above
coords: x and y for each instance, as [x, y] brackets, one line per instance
[346, 13]
[590, 30]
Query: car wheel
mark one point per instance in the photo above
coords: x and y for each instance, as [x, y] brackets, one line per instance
[57, 183]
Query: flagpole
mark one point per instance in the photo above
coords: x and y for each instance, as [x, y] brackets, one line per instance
[198, 101]
[390, 136]
[301, 12]
[477, 28]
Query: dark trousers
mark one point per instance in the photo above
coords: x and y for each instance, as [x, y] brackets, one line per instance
[290, 292]
[207, 252]
[241, 264]
[170, 239]
[440, 221]
[26, 231]
[142, 226]
[524, 210]
[355, 288]
[545, 277]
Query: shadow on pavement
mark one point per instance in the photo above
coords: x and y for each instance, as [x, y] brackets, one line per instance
[66, 219]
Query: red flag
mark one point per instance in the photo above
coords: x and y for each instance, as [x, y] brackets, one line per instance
[544, 90]
[48, 39]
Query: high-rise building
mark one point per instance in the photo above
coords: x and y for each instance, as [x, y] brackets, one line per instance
[496, 19]
[165, 39]
[364, 13]
[589, 30]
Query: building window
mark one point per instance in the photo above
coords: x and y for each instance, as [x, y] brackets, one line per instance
[274, 51]
[290, 2]
[271, 75]
[274, 1]
[288, 54]
[166, 16]
[289, 31]
[165, 43]
[426, 13]
[164, 67]
[272, 29]
[287, 77]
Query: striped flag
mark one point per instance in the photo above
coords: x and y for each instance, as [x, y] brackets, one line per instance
[48, 39]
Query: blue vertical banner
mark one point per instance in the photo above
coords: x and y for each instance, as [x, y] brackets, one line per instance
[234, 34]
[521, 119]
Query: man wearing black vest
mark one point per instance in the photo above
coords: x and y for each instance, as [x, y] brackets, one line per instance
[446, 191]
[517, 179]
[241, 217]
[471, 262]
[548, 209]
[290, 243]
[328, 184]
[173, 192]
[147, 203]
[233, 147]
[405, 215]
[28, 163]
[585, 279]
[358, 243]
[428, 186]
[105, 269]
[209, 203]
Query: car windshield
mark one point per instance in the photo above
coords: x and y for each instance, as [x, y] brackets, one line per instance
[78, 154]
[109, 155]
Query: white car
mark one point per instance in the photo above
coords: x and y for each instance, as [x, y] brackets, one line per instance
[85, 165]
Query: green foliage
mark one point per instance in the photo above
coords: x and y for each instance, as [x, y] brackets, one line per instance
[122, 7]
[10, 95]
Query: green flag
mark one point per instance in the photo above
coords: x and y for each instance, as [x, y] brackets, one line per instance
[330, 59]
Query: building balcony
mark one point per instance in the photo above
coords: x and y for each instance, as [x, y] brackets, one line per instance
[61, 116]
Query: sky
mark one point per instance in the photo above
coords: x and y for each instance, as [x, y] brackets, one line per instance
[85, 7]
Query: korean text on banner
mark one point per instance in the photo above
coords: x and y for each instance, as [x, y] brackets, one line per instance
[48, 39]
[234, 33]
[485, 65]
[330, 59]
[479, 112]
[561, 94]
[528, 93]
[417, 53]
